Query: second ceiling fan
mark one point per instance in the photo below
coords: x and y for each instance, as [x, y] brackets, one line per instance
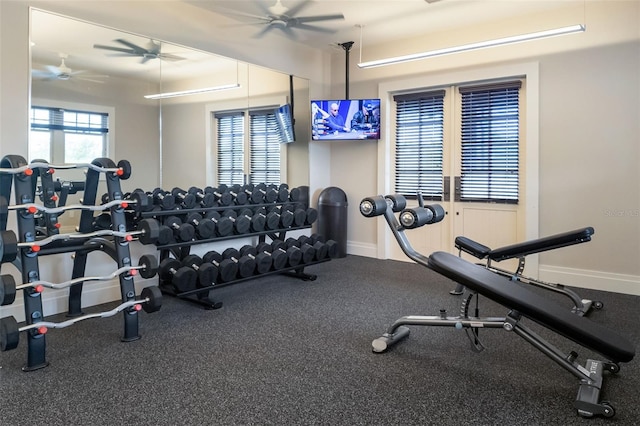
[286, 19]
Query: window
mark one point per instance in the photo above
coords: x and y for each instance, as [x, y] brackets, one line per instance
[67, 136]
[490, 141]
[419, 141]
[248, 156]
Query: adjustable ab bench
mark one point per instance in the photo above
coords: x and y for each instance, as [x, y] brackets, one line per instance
[520, 251]
[520, 301]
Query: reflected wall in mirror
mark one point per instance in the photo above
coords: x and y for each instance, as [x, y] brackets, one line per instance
[81, 66]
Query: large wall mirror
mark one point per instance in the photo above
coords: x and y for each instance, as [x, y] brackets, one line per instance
[81, 66]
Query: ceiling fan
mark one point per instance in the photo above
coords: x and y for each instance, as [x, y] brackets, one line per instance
[152, 51]
[64, 73]
[286, 20]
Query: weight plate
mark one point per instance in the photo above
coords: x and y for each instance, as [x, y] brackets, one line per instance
[154, 295]
[9, 334]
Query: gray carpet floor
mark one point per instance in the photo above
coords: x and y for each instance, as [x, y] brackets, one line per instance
[282, 351]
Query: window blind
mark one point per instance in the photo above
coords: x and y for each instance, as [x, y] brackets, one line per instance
[230, 134]
[419, 144]
[265, 140]
[490, 143]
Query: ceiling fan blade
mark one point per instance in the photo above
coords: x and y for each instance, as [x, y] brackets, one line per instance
[320, 18]
[314, 28]
[134, 47]
[115, 49]
[40, 74]
[262, 32]
[170, 57]
[53, 69]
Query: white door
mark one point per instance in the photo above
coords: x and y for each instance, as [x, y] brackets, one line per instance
[482, 171]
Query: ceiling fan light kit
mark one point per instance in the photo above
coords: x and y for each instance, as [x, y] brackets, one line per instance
[475, 46]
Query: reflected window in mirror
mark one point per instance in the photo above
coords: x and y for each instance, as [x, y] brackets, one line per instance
[62, 136]
[249, 156]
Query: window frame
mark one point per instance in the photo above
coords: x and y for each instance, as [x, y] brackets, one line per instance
[109, 149]
[213, 163]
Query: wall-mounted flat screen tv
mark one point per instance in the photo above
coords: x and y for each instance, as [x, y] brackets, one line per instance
[284, 118]
[352, 119]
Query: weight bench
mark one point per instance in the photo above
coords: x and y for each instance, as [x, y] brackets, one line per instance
[521, 304]
[520, 251]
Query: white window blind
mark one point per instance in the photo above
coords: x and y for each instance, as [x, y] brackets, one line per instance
[490, 143]
[419, 144]
[230, 135]
[265, 148]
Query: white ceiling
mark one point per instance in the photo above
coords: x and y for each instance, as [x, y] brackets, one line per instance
[376, 21]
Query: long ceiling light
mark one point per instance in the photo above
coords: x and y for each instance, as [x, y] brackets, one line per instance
[474, 46]
[193, 91]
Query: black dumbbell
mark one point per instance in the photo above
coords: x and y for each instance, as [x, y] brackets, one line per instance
[186, 200]
[207, 272]
[285, 217]
[254, 195]
[308, 252]
[322, 251]
[246, 265]
[294, 255]
[299, 217]
[181, 231]
[224, 225]
[205, 229]
[163, 199]
[272, 221]
[165, 235]
[239, 196]
[263, 259]
[258, 221]
[312, 216]
[222, 197]
[294, 194]
[182, 278]
[332, 245]
[206, 199]
[241, 222]
[227, 268]
[282, 192]
[279, 258]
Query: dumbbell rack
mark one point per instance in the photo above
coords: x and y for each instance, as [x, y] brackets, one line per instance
[180, 250]
[25, 184]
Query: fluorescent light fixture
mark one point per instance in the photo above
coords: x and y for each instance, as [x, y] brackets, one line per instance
[474, 46]
[193, 91]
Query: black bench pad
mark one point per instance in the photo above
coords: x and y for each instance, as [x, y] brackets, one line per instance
[525, 248]
[515, 296]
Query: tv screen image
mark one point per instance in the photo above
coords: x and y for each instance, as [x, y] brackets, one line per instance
[346, 119]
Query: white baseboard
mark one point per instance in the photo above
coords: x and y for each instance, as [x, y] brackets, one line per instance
[597, 280]
[362, 249]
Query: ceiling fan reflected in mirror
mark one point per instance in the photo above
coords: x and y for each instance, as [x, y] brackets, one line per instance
[152, 51]
[286, 19]
[64, 73]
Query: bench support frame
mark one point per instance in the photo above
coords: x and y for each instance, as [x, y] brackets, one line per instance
[590, 376]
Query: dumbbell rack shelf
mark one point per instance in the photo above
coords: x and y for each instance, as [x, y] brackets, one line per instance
[195, 296]
[16, 174]
[203, 296]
